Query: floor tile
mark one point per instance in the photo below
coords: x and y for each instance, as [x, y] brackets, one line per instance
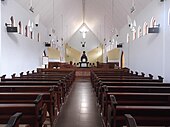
[80, 110]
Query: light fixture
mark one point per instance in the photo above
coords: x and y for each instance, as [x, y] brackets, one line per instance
[31, 6]
[132, 9]
[37, 18]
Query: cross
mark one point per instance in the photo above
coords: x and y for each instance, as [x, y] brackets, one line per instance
[84, 30]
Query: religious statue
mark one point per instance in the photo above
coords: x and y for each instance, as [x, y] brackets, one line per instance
[84, 57]
[84, 61]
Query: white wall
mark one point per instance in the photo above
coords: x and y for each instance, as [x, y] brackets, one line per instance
[149, 53]
[167, 45]
[20, 53]
[0, 39]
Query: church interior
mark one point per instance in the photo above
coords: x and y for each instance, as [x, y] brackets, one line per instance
[84, 63]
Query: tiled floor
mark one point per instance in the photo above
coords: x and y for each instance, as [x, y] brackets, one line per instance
[80, 109]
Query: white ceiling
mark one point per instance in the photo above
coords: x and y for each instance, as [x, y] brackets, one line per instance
[101, 16]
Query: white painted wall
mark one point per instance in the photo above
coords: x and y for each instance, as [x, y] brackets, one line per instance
[167, 44]
[20, 53]
[0, 39]
[150, 52]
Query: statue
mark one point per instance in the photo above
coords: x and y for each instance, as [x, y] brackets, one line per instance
[84, 57]
[84, 61]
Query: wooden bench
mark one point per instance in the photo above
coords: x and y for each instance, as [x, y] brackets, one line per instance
[145, 115]
[48, 93]
[59, 89]
[34, 113]
[135, 99]
[14, 120]
[62, 83]
[102, 85]
[128, 89]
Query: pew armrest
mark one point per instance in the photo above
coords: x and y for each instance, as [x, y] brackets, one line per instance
[113, 100]
[143, 74]
[160, 78]
[151, 76]
[14, 120]
[130, 121]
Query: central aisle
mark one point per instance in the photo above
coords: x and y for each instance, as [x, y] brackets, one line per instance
[80, 109]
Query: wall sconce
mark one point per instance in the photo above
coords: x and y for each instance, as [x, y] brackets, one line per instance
[10, 28]
[154, 29]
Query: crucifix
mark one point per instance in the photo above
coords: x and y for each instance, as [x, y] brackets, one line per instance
[84, 30]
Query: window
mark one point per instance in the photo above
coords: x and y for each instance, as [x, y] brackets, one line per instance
[20, 27]
[145, 29]
[169, 17]
[31, 35]
[139, 32]
[38, 37]
[26, 31]
[153, 22]
[134, 34]
[128, 38]
[12, 21]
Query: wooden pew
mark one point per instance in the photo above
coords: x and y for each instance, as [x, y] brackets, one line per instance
[108, 90]
[59, 89]
[105, 85]
[129, 89]
[49, 96]
[130, 121]
[136, 99]
[58, 81]
[96, 85]
[145, 115]
[34, 113]
[14, 120]
[102, 85]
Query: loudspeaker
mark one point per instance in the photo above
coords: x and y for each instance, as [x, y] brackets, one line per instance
[47, 44]
[153, 30]
[11, 29]
[119, 46]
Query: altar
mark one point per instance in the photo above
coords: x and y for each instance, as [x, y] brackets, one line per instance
[84, 64]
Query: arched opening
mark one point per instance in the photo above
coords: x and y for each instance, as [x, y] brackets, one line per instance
[169, 17]
[12, 21]
[145, 29]
[31, 34]
[38, 37]
[134, 34]
[122, 60]
[128, 38]
[153, 22]
[20, 27]
[26, 31]
[139, 32]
